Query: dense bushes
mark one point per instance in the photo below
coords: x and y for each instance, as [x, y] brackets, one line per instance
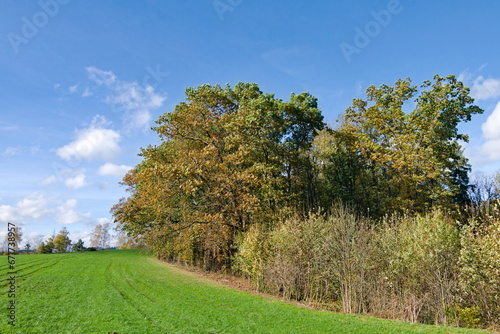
[480, 268]
[416, 268]
[416, 271]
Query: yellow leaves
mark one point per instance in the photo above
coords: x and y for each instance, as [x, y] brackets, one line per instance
[480, 266]
[190, 186]
[222, 166]
[415, 154]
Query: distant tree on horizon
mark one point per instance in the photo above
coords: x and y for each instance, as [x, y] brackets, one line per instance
[46, 247]
[78, 247]
[62, 241]
[100, 236]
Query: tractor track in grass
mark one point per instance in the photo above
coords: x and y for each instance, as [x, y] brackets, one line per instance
[155, 297]
[114, 279]
[134, 287]
[22, 275]
[132, 293]
[24, 266]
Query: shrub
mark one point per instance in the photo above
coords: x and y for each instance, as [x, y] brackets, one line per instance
[415, 268]
[348, 250]
[252, 255]
[296, 263]
[469, 316]
[286, 271]
[480, 268]
[318, 258]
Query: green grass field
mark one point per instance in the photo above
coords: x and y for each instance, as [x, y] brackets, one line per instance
[127, 292]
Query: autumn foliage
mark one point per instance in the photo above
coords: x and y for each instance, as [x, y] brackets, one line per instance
[229, 158]
[372, 214]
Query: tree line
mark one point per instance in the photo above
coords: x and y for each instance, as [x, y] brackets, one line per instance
[100, 238]
[239, 174]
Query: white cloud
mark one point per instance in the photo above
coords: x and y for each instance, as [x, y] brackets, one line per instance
[8, 213]
[11, 151]
[9, 128]
[136, 100]
[491, 132]
[73, 89]
[101, 77]
[481, 88]
[72, 178]
[87, 92]
[491, 150]
[33, 206]
[34, 238]
[103, 221]
[66, 213]
[34, 235]
[48, 181]
[75, 182]
[491, 128]
[140, 120]
[466, 75]
[132, 96]
[484, 89]
[359, 88]
[109, 169]
[94, 142]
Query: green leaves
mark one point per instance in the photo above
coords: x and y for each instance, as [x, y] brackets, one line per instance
[62, 241]
[233, 157]
[413, 157]
[229, 158]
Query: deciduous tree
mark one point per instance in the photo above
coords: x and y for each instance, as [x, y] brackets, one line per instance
[404, 158]
[100, 236]
[78, 247]
[62, 241]
[229, 157]
[46, 247]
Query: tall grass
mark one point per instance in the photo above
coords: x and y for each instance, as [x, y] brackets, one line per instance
[423, 268]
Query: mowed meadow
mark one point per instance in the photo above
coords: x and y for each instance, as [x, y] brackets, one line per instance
[128, 292]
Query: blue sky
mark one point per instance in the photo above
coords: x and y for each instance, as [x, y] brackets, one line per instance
[81, 82]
